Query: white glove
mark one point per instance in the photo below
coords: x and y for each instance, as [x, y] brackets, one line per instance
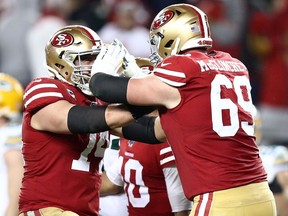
[131, 69]
[109, 59]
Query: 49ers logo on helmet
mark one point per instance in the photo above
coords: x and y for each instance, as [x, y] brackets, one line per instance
[162, 19]
[62, 39]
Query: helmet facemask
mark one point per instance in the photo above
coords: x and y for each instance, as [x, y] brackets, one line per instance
[155, 58]
[82, 72]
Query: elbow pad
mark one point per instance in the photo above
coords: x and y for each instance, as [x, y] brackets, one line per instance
[141, 130]
[85, 119]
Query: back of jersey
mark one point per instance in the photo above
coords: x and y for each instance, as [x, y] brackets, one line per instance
[211, 131]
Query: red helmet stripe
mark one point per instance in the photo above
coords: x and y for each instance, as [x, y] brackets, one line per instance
[89, 35]
[201, 16]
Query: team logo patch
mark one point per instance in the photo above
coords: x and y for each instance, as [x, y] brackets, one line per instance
[163, 19]
[62, 40]
[71, 93]
[131, 143]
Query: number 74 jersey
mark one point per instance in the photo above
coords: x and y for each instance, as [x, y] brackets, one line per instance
[211, 131]
[59, 165]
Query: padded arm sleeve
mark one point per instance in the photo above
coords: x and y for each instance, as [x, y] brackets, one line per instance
[84, 119]
[109, 88]
[113, 90]
[141, 130]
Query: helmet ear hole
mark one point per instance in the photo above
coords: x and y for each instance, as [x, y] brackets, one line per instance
[169, 44]
[59, 66]
[178, 12]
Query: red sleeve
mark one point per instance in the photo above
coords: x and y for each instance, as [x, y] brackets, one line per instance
[175, 70]
[41, 92]
[166, 156]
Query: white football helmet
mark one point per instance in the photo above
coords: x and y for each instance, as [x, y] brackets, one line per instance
[67, 45]
[177, 28]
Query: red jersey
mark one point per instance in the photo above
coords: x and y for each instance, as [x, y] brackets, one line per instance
[143, 164]
[211, 131]
[61, 170]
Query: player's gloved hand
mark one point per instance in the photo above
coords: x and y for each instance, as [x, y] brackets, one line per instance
[130, 67]
[109, 59]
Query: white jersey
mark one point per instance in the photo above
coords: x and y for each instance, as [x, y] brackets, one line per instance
[275, 159]
[10, 138]
[113, 204]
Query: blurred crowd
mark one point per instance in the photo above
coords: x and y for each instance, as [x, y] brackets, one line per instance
[255, 31]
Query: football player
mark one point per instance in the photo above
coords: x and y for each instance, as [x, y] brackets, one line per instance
[61, 144]
[206, 114]
[11, 163]
[151, 182]
[114, 204]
